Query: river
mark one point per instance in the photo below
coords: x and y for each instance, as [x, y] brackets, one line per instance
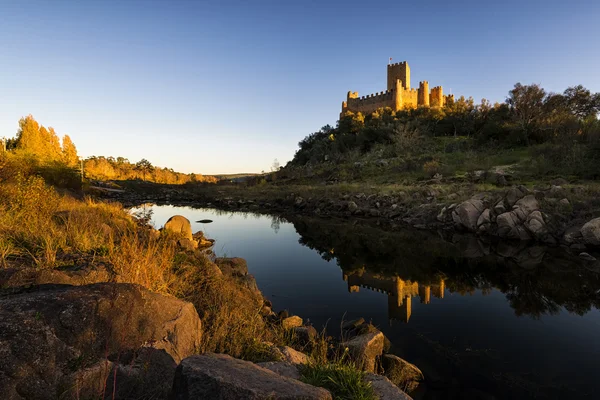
[481, 320]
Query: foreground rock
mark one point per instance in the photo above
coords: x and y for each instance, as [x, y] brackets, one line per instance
[180, 225]
[76, 276]
[365, 349]
[385, 389]
[591, 232]
[402, 373]
[60, 340]
[218, 376]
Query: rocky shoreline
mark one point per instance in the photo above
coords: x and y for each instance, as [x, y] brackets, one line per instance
[80, 333]
[551, 215]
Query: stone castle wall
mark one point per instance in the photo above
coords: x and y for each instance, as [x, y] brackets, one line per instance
[399, 95]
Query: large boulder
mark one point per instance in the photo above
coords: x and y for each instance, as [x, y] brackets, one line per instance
[467, 213]
[366, 349]
[234, 266]
[64, 340]
[591, 232]
[403, 374]
[282, 368]
[384, 389]
[219, 376]
[180, 225]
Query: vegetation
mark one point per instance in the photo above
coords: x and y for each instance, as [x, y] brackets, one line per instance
[547, 133]
[344, 380]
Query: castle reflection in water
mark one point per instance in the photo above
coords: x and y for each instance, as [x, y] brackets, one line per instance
[399, 292]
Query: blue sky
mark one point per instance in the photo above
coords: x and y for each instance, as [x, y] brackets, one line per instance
[228, 86]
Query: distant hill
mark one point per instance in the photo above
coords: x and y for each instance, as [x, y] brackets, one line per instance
[239, 176]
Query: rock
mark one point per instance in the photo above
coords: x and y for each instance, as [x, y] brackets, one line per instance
[298, 201]
[564, 202]
[179, 225]
[466, 214]
[187, 244]
[74, 328]
[149, 375]
[526, 206]
[484, 221]
[219, 376]
[352, 207]
[587, 257]
[234, 266]
[373, 212]
[291, 322]
[559, 182]
[453, 196]
[281, 368]
[76, 276]
[556, 191]
[365, 349]
[352, 324]
[509, 227]
[305, 334]
[499, 208]
[512, 195]
[293, 356]
[402, 373]
[283, 314]
[384, 389]
[591, 232]
[536, 225]
[572, 235]
[442, 214]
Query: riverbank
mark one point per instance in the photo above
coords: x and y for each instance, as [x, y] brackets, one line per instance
[553, 213]
[100, 304]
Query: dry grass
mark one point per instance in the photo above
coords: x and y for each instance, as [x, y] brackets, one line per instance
[41, 228]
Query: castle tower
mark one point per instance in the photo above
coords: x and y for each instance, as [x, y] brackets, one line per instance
[398, 101]
[423, 94]
[425, 294]
[398, 71]
[436, 97]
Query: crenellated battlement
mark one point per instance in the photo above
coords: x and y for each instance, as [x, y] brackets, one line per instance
[398, 95]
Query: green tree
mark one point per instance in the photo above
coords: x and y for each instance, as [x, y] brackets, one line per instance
[526, 103]
[144, 166]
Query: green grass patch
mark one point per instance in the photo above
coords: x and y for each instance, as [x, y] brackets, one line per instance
[344, 381]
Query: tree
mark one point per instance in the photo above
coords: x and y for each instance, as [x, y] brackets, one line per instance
[526, 103]
[144, 166]
[581, 102]
[69, 152]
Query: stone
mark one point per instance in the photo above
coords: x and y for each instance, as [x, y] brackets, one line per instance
[281, 368]
[513, 195]
[180, 225]
[536, 225]
[352, 207]
[71, 275]
[365, 349]
[352, 324]
[403, 374]
[291, 322]
[499, 208]
[587, 257]
[384, 389]
[219, 376]
[591, 232]
[559, 182]
[234, 266]
[564, 202]
[441, 217]
[526, 206]
[73, 327]
[466, 214]
[484, 221]
[305, 334]
[293, 356]
[572, 235]
[509, 227]
[149, 374]
[187, 244]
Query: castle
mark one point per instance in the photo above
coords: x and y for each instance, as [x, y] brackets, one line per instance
[398, 95]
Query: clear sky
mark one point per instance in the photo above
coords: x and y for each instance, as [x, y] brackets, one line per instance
[228, 86]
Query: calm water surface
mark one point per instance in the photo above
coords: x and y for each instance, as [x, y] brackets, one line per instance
[478, 319]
